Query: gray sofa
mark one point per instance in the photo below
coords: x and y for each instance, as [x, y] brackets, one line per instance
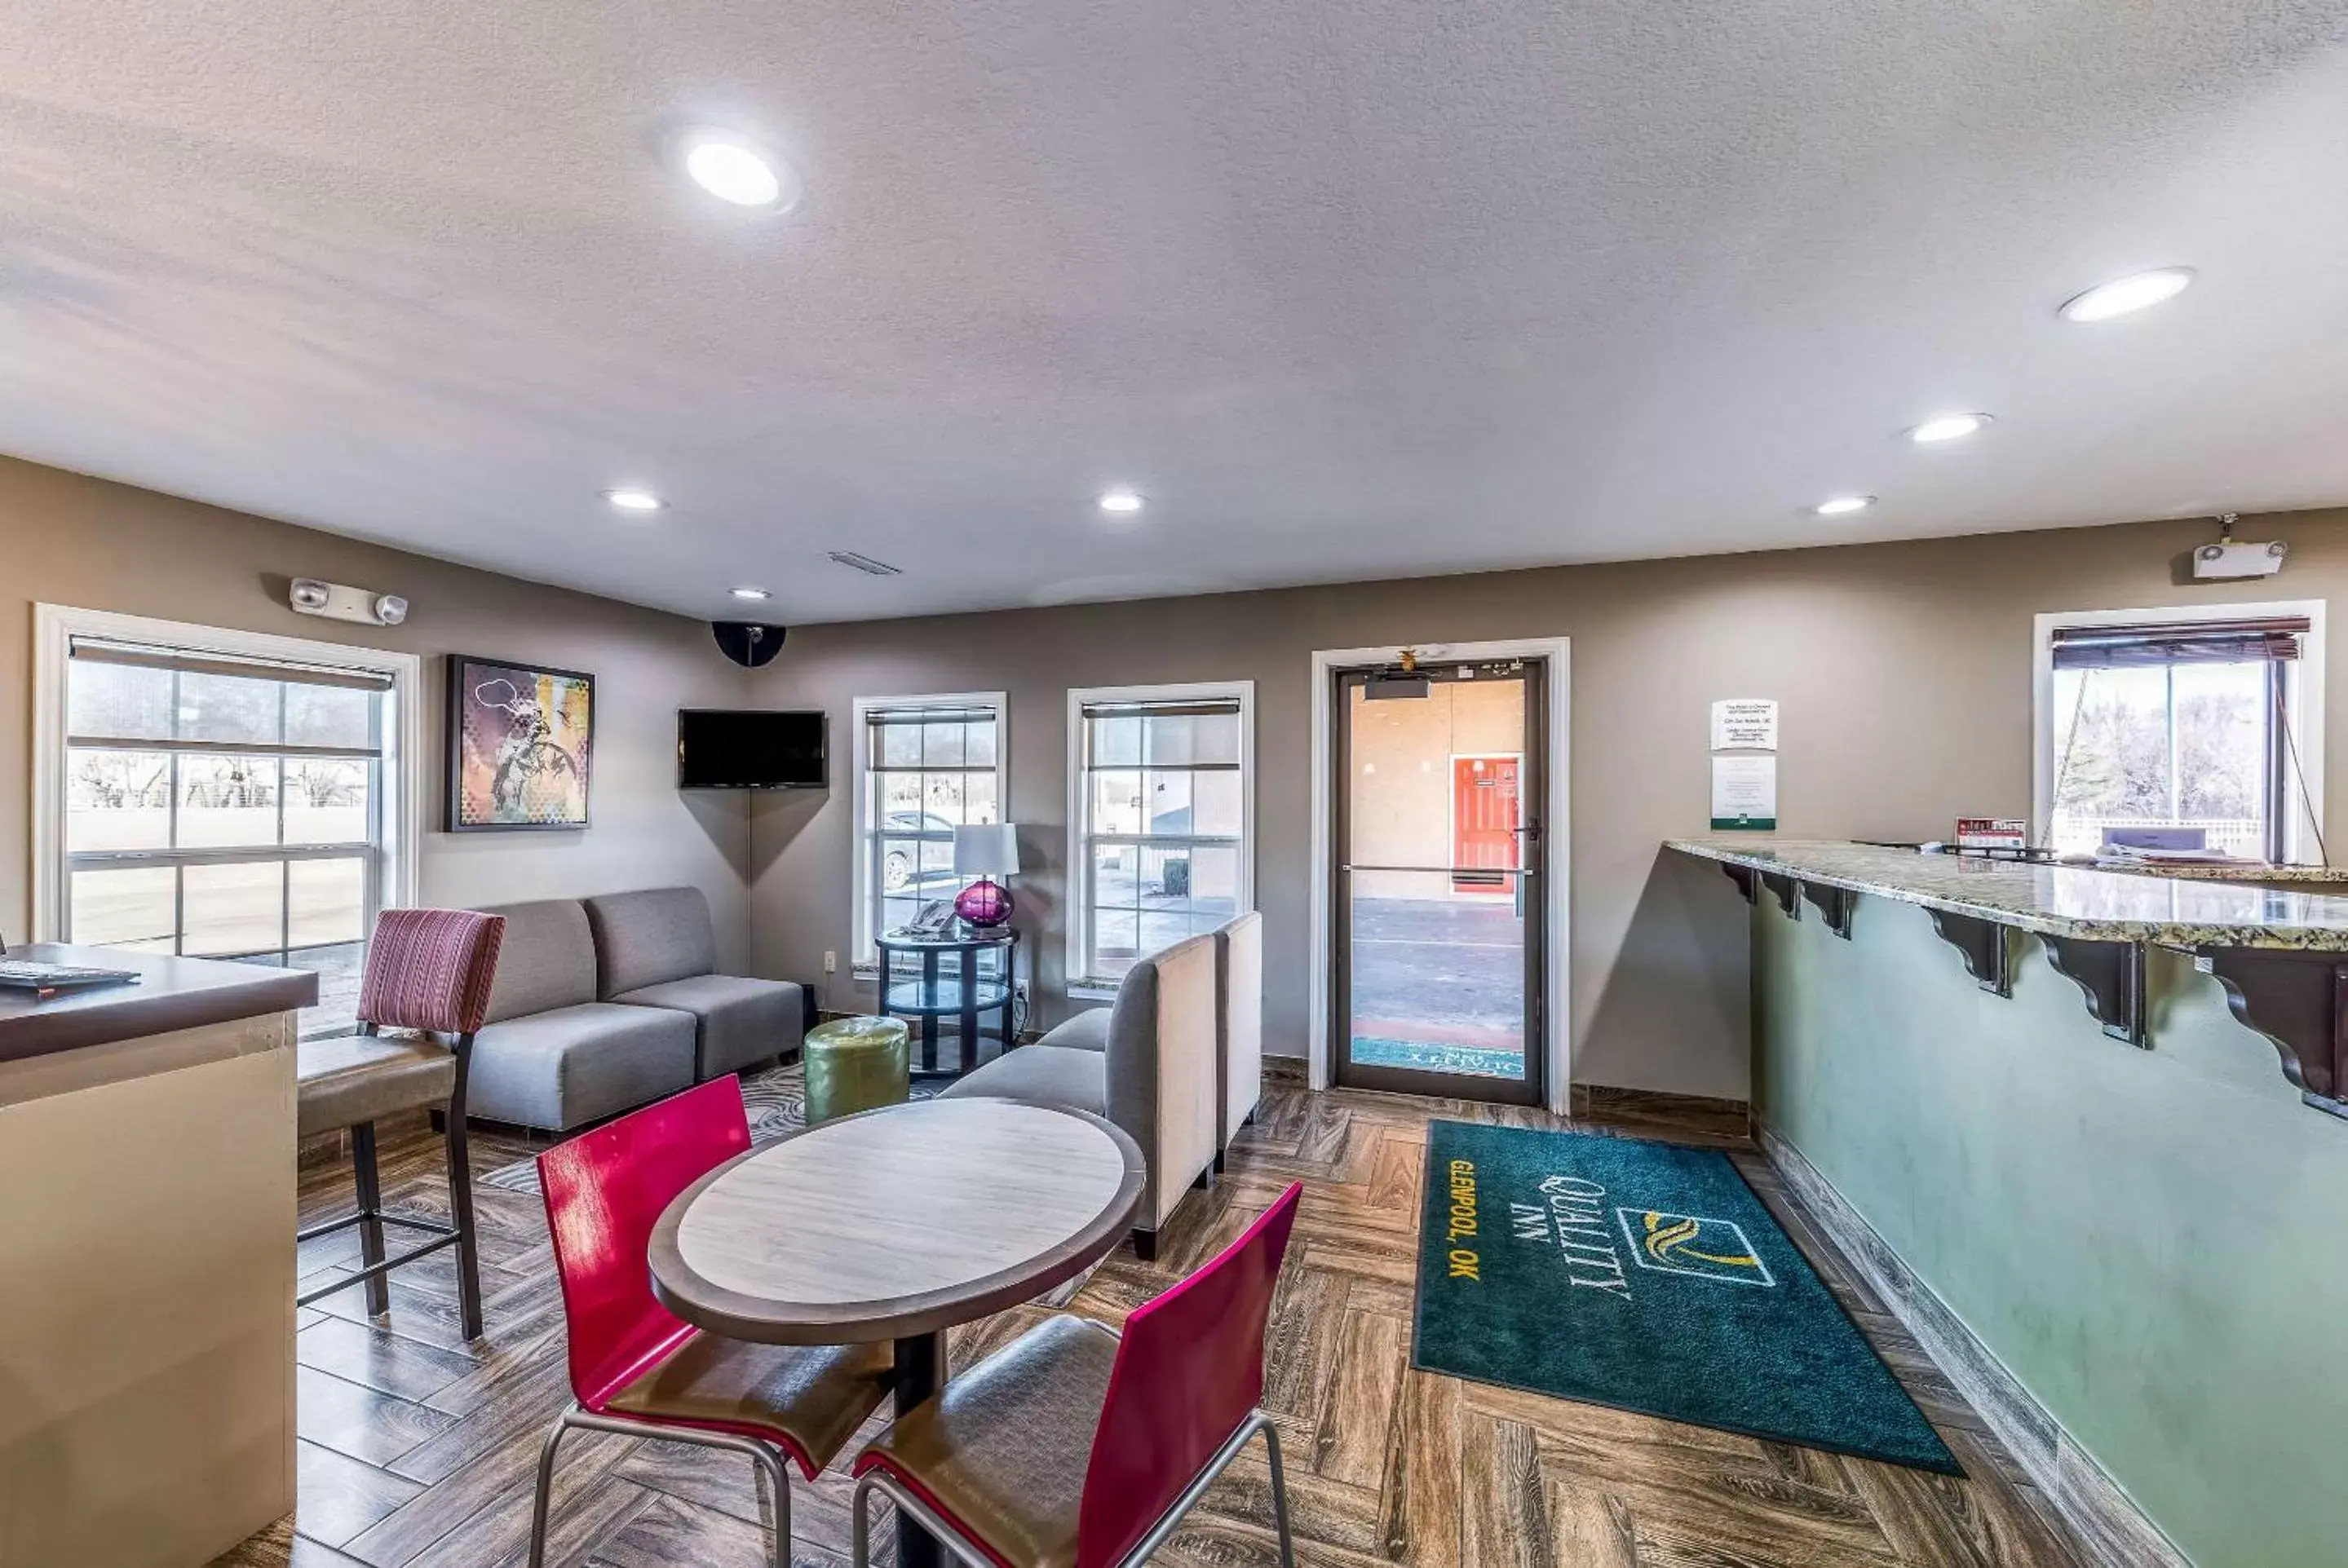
[605, 1004]
[655, 948]
[1148, 1062]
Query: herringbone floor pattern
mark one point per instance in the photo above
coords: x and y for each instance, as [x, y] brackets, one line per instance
[417, 1450]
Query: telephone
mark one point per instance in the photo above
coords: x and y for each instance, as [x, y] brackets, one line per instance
[937, 917]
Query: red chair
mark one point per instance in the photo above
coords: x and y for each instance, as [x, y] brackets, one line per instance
[639, 1371]
[426, 969]
[1074, 1447]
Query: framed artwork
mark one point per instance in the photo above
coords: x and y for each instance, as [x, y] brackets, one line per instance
[522, 746]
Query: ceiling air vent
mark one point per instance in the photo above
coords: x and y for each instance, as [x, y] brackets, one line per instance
[867, 564]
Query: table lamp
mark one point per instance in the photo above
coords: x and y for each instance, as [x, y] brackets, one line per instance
[985, 850]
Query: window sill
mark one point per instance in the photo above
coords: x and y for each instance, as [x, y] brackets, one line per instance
[1083, 993]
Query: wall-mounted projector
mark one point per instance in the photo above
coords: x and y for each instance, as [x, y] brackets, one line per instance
[335, 602]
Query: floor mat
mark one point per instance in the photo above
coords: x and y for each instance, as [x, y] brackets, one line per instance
[1647, 1277]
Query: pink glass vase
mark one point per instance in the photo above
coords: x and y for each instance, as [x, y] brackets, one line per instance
[984, 903]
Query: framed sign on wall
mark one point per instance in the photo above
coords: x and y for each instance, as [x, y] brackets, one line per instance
[522, 745]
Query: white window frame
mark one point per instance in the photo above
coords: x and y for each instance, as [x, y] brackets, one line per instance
[2302, 698]
[56, 626]
[1082, 986]
[864, 958]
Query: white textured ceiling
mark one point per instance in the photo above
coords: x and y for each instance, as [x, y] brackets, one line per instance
[1349, 288]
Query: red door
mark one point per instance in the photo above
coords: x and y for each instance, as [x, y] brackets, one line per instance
[1483, 824]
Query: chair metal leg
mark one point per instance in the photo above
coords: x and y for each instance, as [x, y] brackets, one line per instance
[1278, 1496]
[770, 1464]
[461, 1204]
[859, 1524]
[545, 1488]
[370, 1196]
[1171, 1520]
[941, 1530]
[768, 1458]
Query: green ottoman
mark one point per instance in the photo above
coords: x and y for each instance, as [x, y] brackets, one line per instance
[855, 1064]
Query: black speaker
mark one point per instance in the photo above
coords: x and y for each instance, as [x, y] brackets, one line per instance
[749, 643]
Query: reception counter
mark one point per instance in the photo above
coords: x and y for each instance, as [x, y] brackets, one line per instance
[146, 1214]
[2084, 1131]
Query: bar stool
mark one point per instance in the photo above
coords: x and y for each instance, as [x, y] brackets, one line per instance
[426, 969]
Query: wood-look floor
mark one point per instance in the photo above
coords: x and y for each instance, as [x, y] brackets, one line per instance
[417, 1449]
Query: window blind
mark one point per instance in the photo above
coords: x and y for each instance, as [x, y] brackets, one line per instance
[2245, 641]
[93, 651]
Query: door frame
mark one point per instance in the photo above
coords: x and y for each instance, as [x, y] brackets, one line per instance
[1555, 870]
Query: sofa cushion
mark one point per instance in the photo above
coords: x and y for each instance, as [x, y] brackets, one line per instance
[548, 959]
[1088, 1030]
[557, 1069]
[1043, 1075]
[740, 1021]
[650, 938]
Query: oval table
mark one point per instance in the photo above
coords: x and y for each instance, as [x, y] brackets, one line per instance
[896, 1224]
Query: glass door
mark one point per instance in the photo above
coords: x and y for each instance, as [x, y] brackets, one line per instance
[1437, 909]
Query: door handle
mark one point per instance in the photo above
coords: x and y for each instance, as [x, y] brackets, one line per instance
[1447, 870]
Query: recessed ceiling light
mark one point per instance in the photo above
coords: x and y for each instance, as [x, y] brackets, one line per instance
[630, 500]
[2124, 296]
[752, 593]
[1948, 427]
[1843, 506]
[731, 168]
[1122, 502]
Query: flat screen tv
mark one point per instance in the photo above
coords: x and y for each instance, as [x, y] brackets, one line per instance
[723, 749]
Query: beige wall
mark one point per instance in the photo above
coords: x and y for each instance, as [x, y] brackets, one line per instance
[1904, 671]
[66, 539]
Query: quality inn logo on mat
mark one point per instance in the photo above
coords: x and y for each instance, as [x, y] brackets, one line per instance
[1690, 1244]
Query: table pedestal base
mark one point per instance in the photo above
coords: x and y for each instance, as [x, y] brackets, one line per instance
[920, 1371]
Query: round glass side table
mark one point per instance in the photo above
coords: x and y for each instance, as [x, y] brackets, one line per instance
[963, 973]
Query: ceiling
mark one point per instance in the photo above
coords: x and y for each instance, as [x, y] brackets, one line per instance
[1347, 289]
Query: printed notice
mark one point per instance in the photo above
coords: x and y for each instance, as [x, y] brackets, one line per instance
[1745, 793]
[1744, 724]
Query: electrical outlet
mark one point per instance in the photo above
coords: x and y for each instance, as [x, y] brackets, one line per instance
[830, 962]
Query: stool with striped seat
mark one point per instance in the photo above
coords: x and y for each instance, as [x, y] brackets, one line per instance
[427, 971]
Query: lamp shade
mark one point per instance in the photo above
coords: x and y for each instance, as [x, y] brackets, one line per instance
[986, 849]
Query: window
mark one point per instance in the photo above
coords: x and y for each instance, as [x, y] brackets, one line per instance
[2185, 728]
[1162, 808]
[222, 805]
[924, 766]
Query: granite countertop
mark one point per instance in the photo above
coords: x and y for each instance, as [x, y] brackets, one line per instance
[2192, 912]
[2254, 874]
[171, 994]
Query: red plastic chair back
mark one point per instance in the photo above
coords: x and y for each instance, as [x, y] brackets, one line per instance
[604, 1192]
[430, 970]
[1190, 1370]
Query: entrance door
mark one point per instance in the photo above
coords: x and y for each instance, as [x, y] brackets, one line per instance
[1437, 909]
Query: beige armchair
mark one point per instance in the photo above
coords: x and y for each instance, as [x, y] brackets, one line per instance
[1149, 1062]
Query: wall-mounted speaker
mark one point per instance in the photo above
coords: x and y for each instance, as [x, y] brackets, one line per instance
[748, 643]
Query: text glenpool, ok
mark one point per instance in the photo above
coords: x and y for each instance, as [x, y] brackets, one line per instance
[1463, 1219]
